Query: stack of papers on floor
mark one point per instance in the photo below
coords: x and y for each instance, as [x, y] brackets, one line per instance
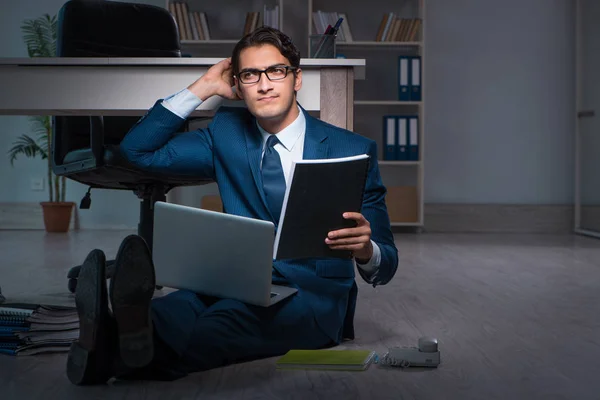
[27, 329]
[346, 360]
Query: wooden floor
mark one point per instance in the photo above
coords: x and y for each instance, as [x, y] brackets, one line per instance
[516, 316]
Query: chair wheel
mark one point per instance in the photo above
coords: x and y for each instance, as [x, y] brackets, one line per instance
[72, 285]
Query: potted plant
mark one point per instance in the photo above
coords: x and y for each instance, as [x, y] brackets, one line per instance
[40, 37]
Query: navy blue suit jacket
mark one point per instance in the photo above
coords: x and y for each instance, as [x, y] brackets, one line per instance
[228, 152]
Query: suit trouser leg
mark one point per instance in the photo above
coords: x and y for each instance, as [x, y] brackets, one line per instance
[171, 316]
[196, 333]
[231, 331]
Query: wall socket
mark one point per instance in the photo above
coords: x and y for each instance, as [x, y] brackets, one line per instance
[37, 184]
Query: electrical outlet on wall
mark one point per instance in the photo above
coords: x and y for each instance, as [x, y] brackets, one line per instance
[37, 184]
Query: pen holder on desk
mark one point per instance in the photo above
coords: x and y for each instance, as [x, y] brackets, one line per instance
[322, 46]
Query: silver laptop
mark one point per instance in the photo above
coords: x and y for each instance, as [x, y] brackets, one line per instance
[216, 254]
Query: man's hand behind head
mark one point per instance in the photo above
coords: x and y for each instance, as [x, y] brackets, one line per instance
[218, 80]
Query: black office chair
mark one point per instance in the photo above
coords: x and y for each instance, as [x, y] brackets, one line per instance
[86, 149]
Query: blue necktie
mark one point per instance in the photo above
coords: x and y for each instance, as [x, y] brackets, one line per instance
[272, 178]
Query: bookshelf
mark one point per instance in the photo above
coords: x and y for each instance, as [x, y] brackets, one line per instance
[374, 97]
[204, 23]
[378, 96]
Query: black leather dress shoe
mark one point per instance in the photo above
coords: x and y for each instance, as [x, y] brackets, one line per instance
[90, 357]
[131, 291]
[73, 275]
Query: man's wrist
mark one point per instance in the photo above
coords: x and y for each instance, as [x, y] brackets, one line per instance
[373, 263]
[182, 104]
[365, 258]
[201, 89]
[363, 261]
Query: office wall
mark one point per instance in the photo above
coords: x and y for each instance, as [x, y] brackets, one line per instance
[500, 96]
[500, 102]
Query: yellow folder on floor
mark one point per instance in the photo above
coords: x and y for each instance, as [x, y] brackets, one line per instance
[345, 360]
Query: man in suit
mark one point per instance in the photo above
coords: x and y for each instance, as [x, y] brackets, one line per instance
[247, 151]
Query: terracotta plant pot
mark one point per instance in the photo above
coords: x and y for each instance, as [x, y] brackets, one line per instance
[57, 215]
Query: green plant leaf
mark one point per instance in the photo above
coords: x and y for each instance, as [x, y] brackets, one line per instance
[40, 126]
[40, 36]
[25, 145]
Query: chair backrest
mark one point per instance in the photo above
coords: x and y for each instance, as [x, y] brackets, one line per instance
[98, 28]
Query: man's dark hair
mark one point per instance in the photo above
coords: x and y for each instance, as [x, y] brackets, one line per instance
[266, 35]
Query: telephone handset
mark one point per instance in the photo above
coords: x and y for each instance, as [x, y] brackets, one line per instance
[426, 355]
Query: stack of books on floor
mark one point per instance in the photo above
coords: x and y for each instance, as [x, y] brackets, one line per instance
[27, 329]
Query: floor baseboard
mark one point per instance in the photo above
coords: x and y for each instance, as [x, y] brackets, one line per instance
[590, 218]
[499, 218]
[29, 216]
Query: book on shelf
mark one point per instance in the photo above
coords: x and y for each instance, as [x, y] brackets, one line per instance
[192, 25]
[318, 194]
[271, 16]
[252, 21]
[396, 29]
[392, 28]
[409, 78]
[27, 329]
[401, 137]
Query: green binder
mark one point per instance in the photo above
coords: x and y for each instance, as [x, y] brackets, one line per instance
[343, 360]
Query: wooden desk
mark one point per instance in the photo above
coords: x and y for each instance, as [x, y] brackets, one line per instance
[130, 86]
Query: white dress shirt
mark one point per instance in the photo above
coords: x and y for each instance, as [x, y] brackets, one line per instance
[290, 147]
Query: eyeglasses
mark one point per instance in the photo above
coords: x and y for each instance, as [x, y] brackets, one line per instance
[274, 73]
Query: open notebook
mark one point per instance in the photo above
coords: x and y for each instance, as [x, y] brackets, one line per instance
[346, 360]
[320, 191]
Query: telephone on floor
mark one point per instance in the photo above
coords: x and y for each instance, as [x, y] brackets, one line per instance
[426, 355]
